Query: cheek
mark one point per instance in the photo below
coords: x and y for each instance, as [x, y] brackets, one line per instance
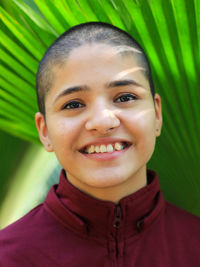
[64, 132]
[141, 124]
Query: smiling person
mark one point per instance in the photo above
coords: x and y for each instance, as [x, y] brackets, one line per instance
[100, 115]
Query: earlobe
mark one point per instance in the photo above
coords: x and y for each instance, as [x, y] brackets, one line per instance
[158, 111]
[43, 131]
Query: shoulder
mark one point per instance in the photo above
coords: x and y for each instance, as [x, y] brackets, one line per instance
[173, 210]
[21, 225]
[183, 221]
[22, 234]
[34, 240]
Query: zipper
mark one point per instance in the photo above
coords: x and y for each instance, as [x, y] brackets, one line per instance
[116, 225]
[118, 216]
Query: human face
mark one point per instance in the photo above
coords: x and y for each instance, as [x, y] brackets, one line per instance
[107, 101]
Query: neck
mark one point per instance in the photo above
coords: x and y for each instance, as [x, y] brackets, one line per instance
[116, 192]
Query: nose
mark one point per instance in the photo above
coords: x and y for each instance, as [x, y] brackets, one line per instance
[102, 120]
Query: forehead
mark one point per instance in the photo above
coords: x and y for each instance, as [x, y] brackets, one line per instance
[97, 54]
[98, 64]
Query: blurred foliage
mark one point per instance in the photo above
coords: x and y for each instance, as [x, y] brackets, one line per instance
[12, 152]
[29, 184]
[169, 31]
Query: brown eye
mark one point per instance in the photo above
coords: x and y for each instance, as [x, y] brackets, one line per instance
[73, 105]
[126, 98]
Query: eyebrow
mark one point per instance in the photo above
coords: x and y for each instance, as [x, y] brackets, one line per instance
[123, 83]
[82, 88]
[72, 90]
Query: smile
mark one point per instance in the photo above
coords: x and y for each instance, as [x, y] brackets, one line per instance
[105, 152]
[105, 148]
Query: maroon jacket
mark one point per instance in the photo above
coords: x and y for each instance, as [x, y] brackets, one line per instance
[72, 229]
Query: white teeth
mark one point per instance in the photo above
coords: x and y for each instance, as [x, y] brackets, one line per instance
[97, 149]
[104, 148]
[90, 149]
[118, 146]
[110, 148]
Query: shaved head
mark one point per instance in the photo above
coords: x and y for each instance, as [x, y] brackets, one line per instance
[79, 35]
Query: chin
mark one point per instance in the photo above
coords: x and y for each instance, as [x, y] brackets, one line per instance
[108, 180]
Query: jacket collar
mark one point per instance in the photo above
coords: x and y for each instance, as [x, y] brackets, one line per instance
[87, 215]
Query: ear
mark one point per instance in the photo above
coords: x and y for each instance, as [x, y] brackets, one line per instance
[43, 131]
[158, 111]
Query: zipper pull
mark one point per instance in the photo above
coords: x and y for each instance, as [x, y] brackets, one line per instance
[118, 216]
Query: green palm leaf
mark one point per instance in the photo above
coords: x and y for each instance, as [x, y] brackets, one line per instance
[168, 30]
